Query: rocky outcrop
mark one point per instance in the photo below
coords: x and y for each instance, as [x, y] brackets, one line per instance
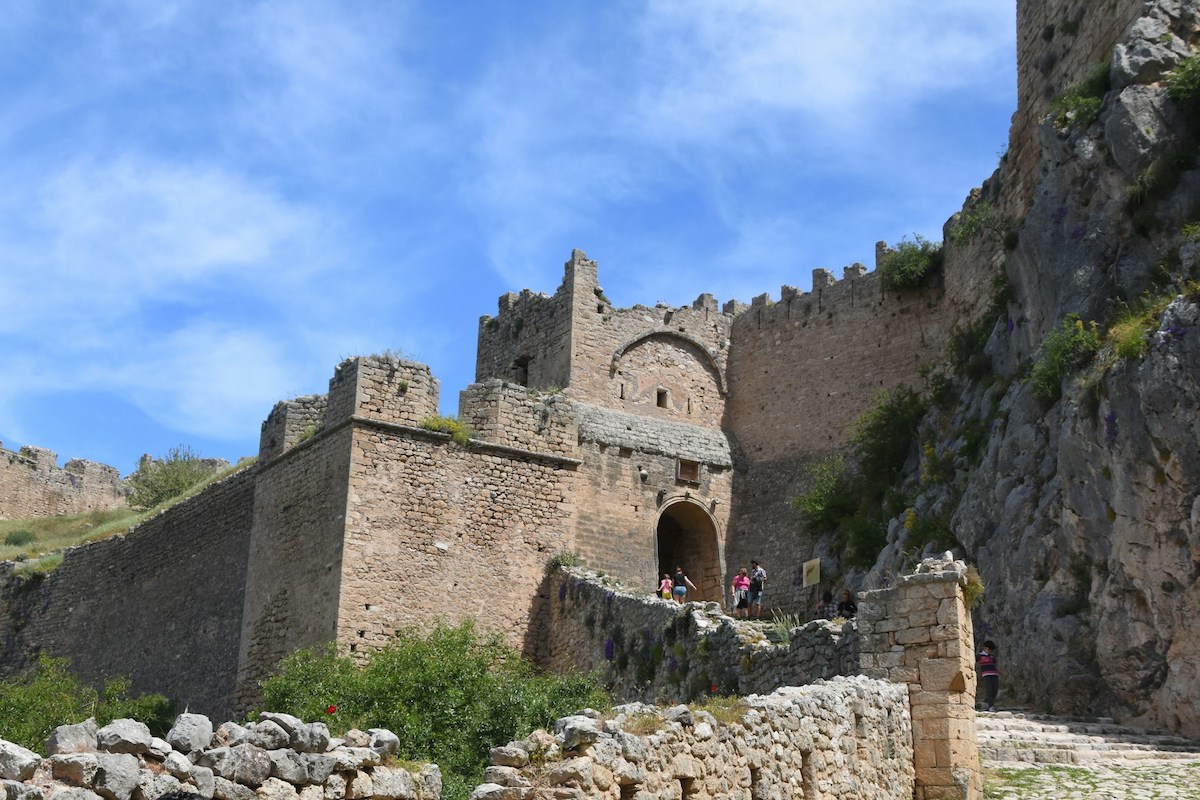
[1083, 514]
[277, 758]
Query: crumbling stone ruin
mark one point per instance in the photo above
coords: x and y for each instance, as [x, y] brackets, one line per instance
[33, 485]
[279, 757]
[642, 438]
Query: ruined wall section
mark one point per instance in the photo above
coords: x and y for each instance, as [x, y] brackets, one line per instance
[160, 605]
[289, 423]
[850, 737]
[32, 485]
[510, 415]
[528, 342]
[801, 371]
[1058, 43]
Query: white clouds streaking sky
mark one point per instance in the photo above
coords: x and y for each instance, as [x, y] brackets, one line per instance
[204, 206]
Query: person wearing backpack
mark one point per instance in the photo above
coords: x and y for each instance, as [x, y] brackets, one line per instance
[758, 584]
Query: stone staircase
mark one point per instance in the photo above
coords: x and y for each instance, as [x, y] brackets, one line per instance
[1007, 737]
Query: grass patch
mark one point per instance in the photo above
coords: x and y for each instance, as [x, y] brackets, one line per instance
[460, 434]
[726, 709]
[54, 534]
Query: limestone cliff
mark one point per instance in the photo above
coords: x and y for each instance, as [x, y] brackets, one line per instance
[1083, 512]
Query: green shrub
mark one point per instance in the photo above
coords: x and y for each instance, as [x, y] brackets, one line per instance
[34, 703]
[1065, 349]
[1183, 82]
[1080, 104]
[882, 437]
[460, 434]
[449, 695]
[974, 590]
[982, 220]
[158, 481]
[830, 495]
[864, 537]
[910, 263]
[20, 538]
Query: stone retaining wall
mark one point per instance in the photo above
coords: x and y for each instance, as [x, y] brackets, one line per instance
[850, 737]
[277, 758]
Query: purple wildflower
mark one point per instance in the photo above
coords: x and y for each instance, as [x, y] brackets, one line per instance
[562, 591]
[608, 649]
[1058, 214]
[672, 664]
[1110, 429]
[1010, 326]
[1077, 231]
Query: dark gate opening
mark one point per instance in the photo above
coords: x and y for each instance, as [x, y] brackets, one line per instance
[687, 537]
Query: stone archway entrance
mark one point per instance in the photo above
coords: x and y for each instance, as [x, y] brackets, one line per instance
[687, 536]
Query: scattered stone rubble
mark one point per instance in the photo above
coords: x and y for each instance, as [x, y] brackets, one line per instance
[849, 737]
[279, 757]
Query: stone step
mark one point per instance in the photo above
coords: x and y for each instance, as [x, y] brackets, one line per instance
[1008, 737]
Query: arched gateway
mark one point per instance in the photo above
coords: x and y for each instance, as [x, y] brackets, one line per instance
[687, 536]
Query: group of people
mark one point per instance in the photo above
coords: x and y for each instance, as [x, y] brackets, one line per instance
[748, 588]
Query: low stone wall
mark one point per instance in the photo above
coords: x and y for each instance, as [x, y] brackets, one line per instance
[850, 737]
[659, 651]
[277, 758]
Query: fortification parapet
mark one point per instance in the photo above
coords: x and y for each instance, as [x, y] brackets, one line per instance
[289, 423]
[382, 388]
[514, 416]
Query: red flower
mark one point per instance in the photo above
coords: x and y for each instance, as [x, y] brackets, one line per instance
[330, 709]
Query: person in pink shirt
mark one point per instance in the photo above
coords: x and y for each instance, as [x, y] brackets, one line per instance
[741, 593]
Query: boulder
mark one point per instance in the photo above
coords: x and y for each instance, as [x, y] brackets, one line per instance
[191, 732]
[17, 763]
[124, 736]
[78, 738]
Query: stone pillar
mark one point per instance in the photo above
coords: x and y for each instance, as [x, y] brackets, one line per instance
[919, 633]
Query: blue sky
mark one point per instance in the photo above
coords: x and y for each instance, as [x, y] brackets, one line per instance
[205, 206]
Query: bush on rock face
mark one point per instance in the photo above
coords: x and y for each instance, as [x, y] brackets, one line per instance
[449, 695]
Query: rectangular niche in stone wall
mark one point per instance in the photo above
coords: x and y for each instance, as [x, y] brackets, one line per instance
[687, 471]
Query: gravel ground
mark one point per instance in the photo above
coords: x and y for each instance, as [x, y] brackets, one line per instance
[1143, 780]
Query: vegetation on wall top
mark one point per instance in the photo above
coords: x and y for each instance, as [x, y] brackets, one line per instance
[910, 264]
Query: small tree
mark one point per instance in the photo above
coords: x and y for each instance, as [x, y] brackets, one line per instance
[910, 263]
[155, 482]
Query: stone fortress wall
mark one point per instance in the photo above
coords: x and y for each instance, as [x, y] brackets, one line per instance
[33, 485]
[161, 605]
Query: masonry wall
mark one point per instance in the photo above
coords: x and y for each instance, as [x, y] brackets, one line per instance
[436, 531]
[801, 371]
[293, 565]
[33, 485]
[160, 605]
[1058, 42]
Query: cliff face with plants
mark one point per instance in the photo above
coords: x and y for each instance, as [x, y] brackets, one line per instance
[1062, 451]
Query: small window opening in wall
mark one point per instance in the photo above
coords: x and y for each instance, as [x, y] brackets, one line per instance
[689, 405]
[662, 398]
[521, 370]
[755, 790]
[353, 648]
[622, 391]
[629, 790]
[687, 788]
[600, 308]
[688, 471]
